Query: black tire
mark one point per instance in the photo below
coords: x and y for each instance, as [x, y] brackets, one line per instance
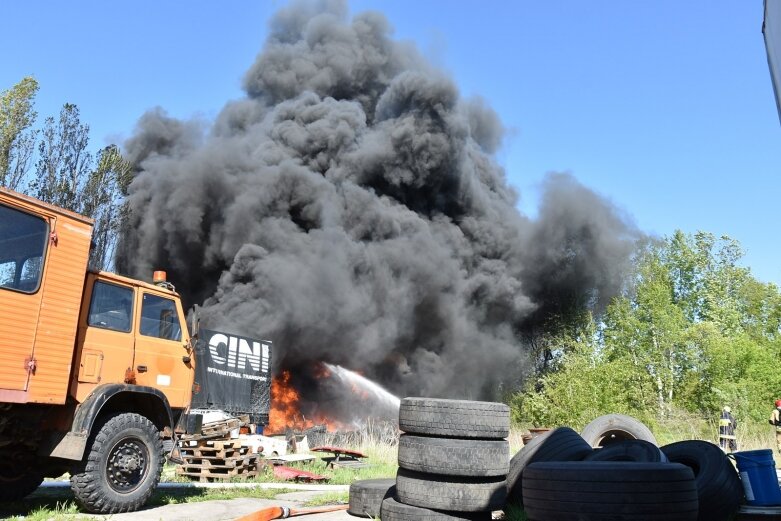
[366, 496]
[392, 510]
[450, 493]
[454, 418]
[454, 457]
[718, 485]
[639, 451]
[562, 444]
[18, 482]
[612, 428]
[609, 491]
[130, 445]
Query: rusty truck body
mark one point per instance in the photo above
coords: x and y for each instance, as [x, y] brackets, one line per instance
[96, 369]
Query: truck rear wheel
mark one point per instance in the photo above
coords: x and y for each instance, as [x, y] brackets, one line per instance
[16, 482]
[122, 468]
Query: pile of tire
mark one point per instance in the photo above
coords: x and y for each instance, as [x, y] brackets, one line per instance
[453, 463]
[453, 466]
[615, 470]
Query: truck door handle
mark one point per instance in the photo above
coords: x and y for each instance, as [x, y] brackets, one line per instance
[141, 368]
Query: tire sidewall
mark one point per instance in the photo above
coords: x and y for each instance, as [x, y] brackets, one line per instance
[453, 456]
[623, 426]
[101, 497]
[153, 459]
[366, 496]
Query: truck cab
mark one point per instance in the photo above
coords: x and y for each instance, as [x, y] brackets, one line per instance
[135, 333]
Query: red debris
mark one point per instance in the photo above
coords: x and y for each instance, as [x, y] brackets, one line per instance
[289, 474]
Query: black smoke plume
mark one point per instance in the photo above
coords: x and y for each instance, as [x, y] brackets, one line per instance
[351, 209]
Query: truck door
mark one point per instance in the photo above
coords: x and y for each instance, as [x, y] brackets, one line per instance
[23, 240]
[105, 335]
[162, 360]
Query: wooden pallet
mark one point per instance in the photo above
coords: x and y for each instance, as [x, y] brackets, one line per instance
[217, 429]
[209, 468]
[224, 463]
[346, 463]
[204, 475]
[213, 449]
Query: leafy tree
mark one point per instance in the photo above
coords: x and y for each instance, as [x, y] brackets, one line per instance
[66, 173]
[583, 385]
[651, 331]
[694, 331]
[63, 160]
[16, 136]
[101, 197]
[67, 176]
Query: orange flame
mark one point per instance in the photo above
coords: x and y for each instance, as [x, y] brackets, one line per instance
[286, 412]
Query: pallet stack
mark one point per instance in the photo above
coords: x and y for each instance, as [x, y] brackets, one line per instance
[214, 456]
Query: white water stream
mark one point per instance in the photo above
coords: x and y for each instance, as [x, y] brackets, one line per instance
[383, 398]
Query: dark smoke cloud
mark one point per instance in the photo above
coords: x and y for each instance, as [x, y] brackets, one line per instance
[350, 208]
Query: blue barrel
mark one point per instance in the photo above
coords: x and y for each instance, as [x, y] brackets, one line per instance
[758, 475]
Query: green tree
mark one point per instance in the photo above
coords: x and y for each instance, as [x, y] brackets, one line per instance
[651, 331]
[694, 331]
[17, 138]
[66, 173]
[583, 384]
[63, 160]
[101, 197]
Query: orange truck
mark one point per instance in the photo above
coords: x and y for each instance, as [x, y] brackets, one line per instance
[96, 369]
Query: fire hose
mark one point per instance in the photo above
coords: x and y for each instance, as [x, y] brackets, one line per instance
[267, 514]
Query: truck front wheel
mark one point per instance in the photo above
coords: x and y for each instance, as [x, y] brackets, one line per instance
[122, 468]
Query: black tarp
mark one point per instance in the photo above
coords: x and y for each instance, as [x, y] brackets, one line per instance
[232, 374]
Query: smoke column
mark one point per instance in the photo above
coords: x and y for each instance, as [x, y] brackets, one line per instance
[351, 208]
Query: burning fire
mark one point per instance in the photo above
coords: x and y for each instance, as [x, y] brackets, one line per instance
[344, 400]
[286, 411]
[356, 399]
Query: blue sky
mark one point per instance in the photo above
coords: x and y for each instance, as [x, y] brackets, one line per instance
[666, 107]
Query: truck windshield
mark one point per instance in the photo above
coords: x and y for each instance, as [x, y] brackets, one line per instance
[23, 240]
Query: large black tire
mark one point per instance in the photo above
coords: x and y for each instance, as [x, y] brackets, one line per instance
[366, 496]
[640, 451]
[450, 493]
[123, 466]
[454, 457]
[562, 444]
[17, 482]
[609, 491]
[392, 510]
[612, 428]
[718, 485]
[454, 418]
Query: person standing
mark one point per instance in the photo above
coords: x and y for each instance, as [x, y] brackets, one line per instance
[727, 426]
[775, 419]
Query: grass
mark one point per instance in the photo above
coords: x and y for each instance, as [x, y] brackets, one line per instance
[329, 498]
[59, 511]
[197, 495]
[514, 513]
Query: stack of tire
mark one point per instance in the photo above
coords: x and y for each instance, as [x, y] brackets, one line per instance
[616, 471]
[453, 463]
